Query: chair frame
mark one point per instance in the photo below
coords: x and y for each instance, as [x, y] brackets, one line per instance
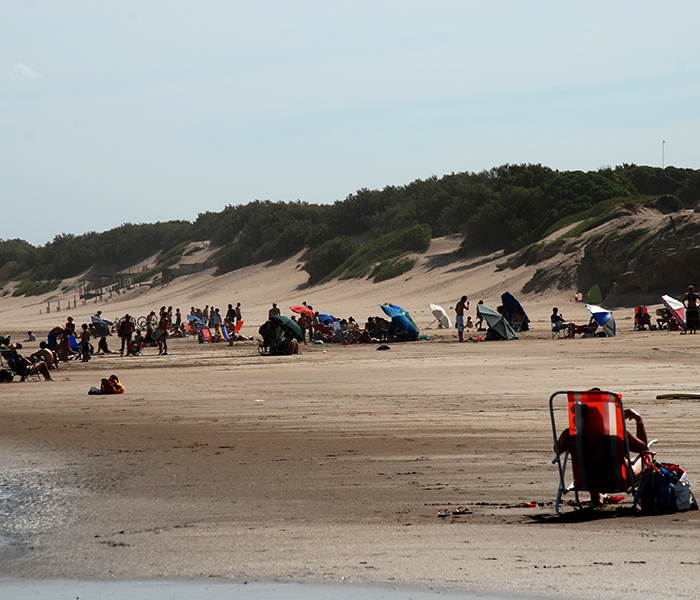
[9, 357]
[628, 485]
[557, 332]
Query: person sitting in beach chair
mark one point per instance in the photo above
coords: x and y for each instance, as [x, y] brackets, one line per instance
[23, 367]
[50, 357]
[585, 330]
[559, 325]
[599, 445]
[135, 344]
[642, 318]
[287, 345]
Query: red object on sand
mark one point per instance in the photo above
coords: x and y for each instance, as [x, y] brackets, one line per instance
[302, 310]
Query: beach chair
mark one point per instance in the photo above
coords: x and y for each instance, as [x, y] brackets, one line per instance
[642, 319]
[23, 371]
[600, 457]
[561, 331]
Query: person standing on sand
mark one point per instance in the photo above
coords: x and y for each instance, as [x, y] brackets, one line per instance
[692, 318]
[126, 328]
[274, 310]
[239, 317]
[85, 342]
[230, 317]
[462, 305]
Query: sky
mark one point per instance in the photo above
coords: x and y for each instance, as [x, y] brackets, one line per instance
[145, 111]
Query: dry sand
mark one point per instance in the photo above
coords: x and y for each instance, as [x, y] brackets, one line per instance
[332, 465]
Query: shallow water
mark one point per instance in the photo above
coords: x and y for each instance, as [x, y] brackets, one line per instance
[195, 590]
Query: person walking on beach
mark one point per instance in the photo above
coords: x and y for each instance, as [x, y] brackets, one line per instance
[239, 317]
[692, 318]
[462, 305]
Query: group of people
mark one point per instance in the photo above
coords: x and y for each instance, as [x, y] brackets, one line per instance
[132, 339]
[569, 327]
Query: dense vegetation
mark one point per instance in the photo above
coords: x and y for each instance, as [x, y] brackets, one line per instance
[370, 233]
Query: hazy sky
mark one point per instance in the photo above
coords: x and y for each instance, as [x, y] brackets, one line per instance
[122, 111]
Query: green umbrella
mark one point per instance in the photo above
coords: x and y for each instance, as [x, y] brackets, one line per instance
[288, 325]
[495, 321]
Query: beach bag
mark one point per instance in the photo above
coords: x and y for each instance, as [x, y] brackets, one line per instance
[665, 488]
[112, 385]
[657, 495]
[685, 500]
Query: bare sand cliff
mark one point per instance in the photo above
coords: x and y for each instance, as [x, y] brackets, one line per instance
[332, 465]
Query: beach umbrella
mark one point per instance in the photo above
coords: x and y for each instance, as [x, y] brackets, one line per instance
[512, 306]
[326, 319]
[406, 329]
[440, 315]
[196, 321]
[676, 307]
[405, 313]
[604, 318]
[101, 327]
[302, 310]
[288, 325]
[496, 322]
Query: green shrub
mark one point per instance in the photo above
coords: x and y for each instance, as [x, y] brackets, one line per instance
[391, 269]
[329, 256]
[28, 287]
[385, 248]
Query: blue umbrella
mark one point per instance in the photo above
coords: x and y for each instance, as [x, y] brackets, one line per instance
[405, 313]
[406, 329]
[604, 318]
[326, 319]
[196, 321]
[512, 306]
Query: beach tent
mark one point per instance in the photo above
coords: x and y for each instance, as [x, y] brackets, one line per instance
[302, 310]
[604, 318]
[287, 325]
[594, 295]
[440, 316]
[406, 330]
[511, 306]
[676, 307]
[496, 322]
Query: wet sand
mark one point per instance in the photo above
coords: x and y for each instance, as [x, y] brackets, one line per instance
[218, 464]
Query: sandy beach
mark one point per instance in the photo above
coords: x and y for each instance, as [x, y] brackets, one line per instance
[331, 466]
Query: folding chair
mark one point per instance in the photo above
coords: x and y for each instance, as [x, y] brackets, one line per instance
[642, 319]
[600, 457]
[561, 331]
[21, 370]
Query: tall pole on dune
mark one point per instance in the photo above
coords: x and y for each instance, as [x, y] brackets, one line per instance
[663, 164]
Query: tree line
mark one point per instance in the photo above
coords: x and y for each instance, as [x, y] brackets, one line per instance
[504, 208]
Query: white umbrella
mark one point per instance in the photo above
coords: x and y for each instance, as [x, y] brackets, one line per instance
[440, 316]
